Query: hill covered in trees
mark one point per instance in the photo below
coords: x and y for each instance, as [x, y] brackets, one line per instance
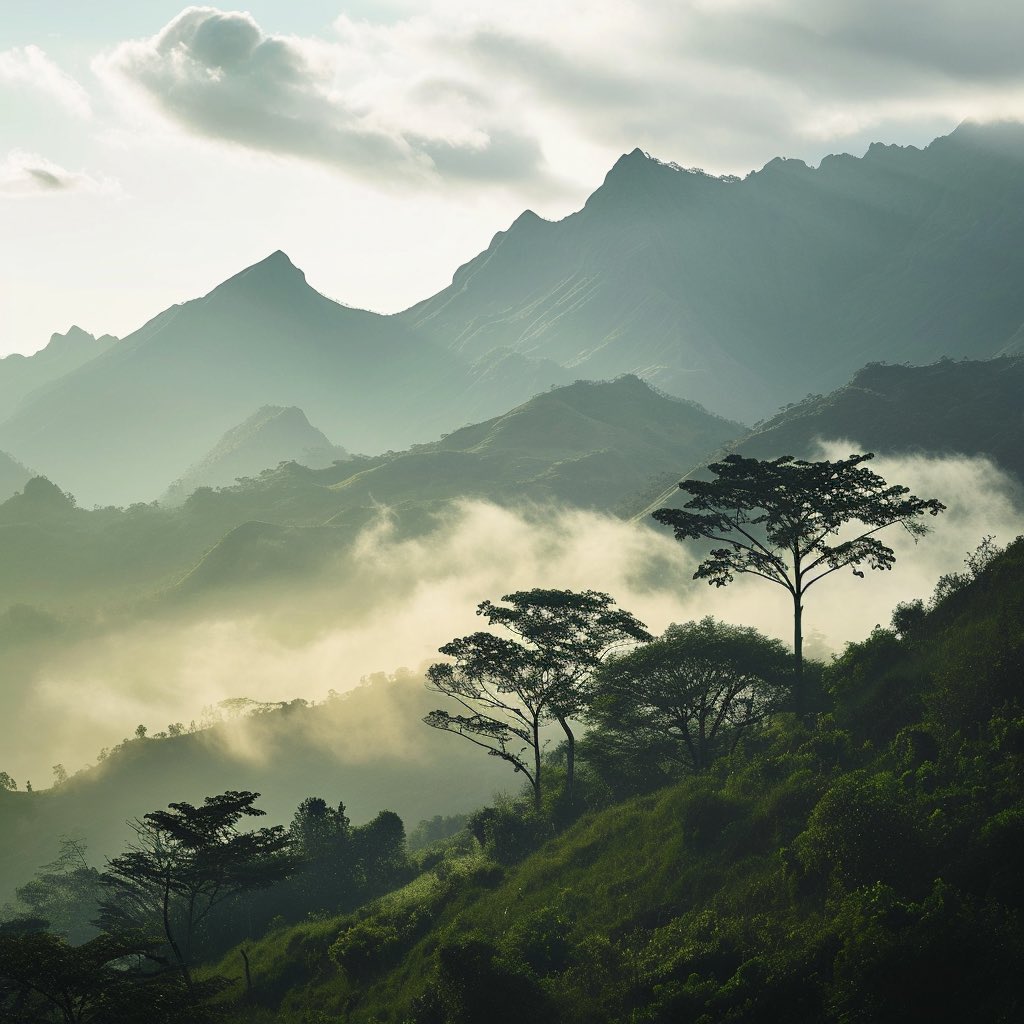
[861, 868]
[857, 865]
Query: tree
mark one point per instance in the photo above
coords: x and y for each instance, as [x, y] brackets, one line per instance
[569, 634]
[187, 860]
[65, 893]
[109, 979]
[781, 520]
[511, 688]
[7, 783]
[505, 698]
[691, 694]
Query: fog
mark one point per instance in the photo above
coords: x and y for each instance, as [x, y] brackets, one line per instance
[392, 600]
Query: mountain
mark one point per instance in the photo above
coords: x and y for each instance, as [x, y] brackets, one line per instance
[273, 434]
[595, 445]
[962, 407]
[13, 476]
[966, 407]
[119, 427]
[749, 293]
[21, 375]
[367, 747]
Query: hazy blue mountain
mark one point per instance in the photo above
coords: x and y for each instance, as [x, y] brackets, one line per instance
[965, 407]
[273, 434]
[119, 427]
[596, 445]
[20, 375]
[747, 294]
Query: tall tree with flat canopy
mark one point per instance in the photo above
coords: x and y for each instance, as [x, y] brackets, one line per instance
[784, 520]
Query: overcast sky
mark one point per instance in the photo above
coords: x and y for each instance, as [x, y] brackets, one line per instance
[150, 150]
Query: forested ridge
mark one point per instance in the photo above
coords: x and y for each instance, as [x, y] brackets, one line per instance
[858, 862]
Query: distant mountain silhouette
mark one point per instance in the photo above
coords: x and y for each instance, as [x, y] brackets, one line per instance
[21, 375]
[122, 425]
[747, 294]
[273, 434]
[951, 407]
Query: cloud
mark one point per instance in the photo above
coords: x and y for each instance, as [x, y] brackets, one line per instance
[28, 174]
[30, 66]
[219, 75]
[462, 92]
[391, 601]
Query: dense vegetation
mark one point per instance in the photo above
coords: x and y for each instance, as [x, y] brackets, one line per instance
[859, 867]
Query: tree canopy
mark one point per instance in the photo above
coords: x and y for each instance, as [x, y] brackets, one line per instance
[511, 687]
[785, 521]
[688, 696]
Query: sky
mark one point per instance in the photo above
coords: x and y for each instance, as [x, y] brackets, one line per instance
[148, 150]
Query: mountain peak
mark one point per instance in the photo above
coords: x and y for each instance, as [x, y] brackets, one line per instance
[275, 273]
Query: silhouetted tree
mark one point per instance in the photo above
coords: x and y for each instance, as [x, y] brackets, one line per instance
[781, 519]
[7, 783]
[568, 634]
[111, 979]
[691, 694]
[185, 861]
[505, 698]
[65, 893]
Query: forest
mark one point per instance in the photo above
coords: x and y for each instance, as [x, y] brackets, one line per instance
[708, 825]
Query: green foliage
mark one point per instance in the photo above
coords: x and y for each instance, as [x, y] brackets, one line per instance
[687, 698]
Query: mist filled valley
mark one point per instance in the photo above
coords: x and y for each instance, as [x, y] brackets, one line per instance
[462, 664]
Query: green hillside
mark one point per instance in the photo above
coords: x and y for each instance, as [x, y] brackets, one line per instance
[861, 869]
[365, 747]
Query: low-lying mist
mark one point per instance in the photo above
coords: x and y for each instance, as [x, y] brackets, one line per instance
[390, 601]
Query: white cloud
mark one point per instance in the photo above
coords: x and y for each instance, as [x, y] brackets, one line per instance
[29, 174]
[30, 66]
[460, 91]
[347, 103]
[392, 601]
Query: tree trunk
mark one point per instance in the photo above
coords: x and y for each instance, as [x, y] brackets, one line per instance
[185, 973]
[570, 758]
[536, 764]
[799, 698]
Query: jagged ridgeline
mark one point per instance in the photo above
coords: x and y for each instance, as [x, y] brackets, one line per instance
[747, 294]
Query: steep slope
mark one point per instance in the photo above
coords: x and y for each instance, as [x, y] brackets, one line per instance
[747, 294]
[965, 407]
[273, 434]
[118, 428]
[862, 868]
[21, 375]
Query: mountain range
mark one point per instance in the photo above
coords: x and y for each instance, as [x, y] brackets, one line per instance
[749, 293]
[745, 294]
[119, 427]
